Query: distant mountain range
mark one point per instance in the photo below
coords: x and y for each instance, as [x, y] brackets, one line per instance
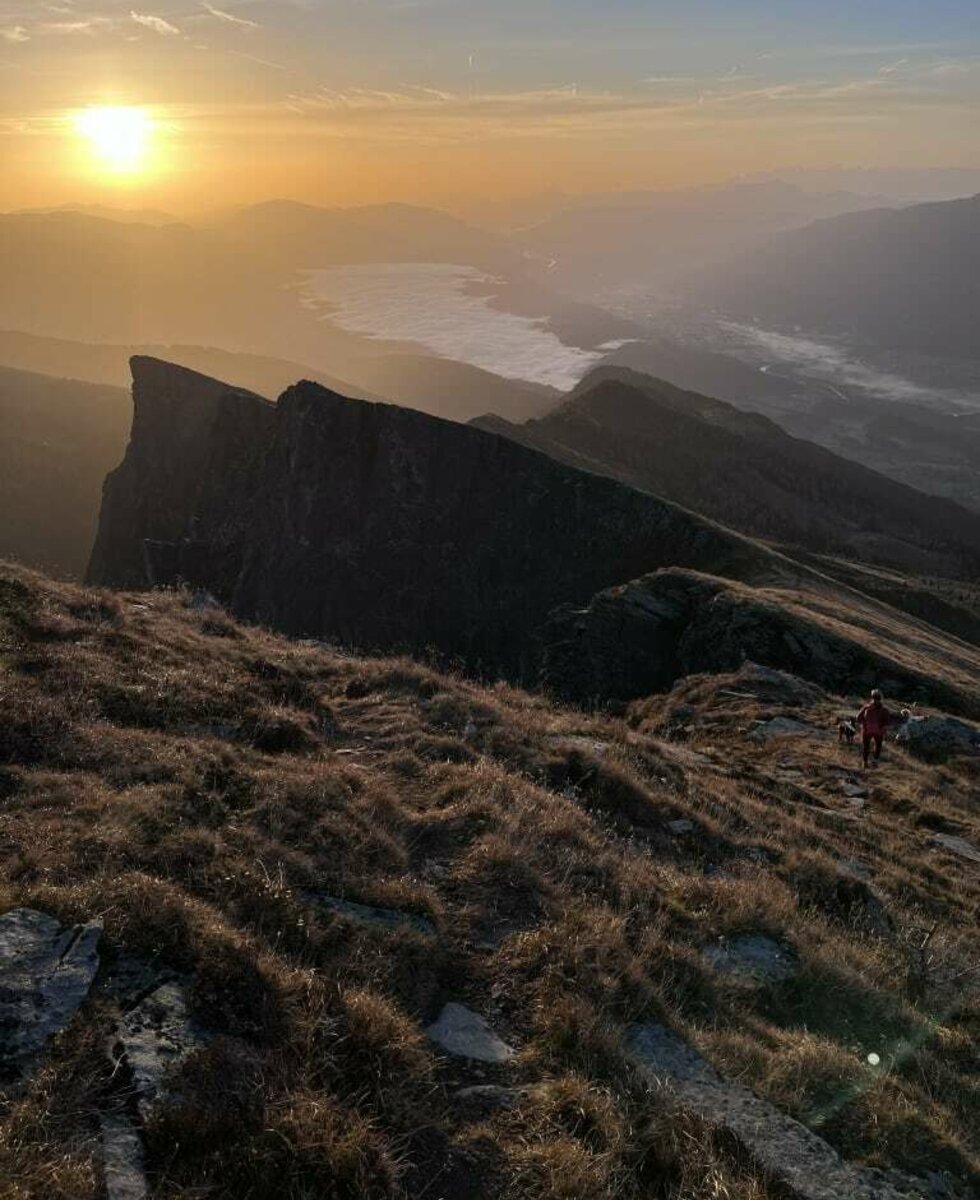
[658, 239]
[904, 279]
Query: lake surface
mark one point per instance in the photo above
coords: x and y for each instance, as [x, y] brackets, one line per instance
[448, 310]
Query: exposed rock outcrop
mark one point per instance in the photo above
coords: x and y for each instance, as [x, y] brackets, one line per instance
[936, 738]
[46, 971]
[376, 525]
[806, 1166]
[639, 637]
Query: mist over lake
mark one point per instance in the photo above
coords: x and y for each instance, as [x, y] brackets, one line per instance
[449, 310]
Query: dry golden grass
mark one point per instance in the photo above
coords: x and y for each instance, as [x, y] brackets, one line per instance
[189, 780]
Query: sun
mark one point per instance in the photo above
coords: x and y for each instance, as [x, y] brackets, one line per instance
[120, 137]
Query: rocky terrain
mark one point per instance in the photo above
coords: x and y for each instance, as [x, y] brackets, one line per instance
[282, 921]
[375, 525]
[379, 527]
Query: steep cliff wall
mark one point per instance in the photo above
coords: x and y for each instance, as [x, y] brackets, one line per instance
[376, 525]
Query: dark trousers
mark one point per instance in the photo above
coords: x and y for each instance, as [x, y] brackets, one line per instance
[866, 741]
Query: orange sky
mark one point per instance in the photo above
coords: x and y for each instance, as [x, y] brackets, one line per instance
[433, 101]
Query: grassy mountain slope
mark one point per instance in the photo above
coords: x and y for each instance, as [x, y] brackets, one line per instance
[190, 781]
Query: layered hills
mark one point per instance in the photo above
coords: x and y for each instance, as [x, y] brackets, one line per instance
[743, 469]
[886, 277]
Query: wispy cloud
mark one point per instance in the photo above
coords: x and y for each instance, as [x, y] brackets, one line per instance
[16, 33]
[157, 24]
[221, 15]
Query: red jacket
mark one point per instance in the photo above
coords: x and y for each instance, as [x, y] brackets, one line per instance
[874, 719]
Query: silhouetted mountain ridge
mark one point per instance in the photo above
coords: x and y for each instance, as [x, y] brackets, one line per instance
[743, 469]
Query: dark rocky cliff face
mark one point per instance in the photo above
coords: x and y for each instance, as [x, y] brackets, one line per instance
[376, 525]
[639, 637]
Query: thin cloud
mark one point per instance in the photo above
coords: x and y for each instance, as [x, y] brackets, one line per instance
[17, 34]
[157, 24]
[229, 18]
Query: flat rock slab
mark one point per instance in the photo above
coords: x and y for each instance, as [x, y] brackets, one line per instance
[804, 1163]
[751, 957]
[367, 914]
[783, 727]
[465, 1034]
[680, 826]
[155, 1036]
[853, 790]
[574, 741]
[46, 971]
[958, 846]
[122, 1158]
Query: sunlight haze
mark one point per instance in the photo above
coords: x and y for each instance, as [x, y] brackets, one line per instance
[439, 100]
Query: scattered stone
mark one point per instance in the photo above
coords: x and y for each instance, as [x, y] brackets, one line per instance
[46, 971]
[782, 726]
[680, 827]
[752, 957]
[853, 790]
[122, 1158]
[801, 1161]
[684, 756]
[574, 741]
[465, 1034]
[938, 738]
[489, 1095]
[367, 914]
[156, 1035]
[958, 846]
[776, 686]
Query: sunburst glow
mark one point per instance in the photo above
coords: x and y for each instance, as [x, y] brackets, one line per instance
[119, 137]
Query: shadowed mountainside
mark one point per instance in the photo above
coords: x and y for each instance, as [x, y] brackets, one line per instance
[58, 439]
[376, 525]
[741, 468]
[907, 277]
[381, 527]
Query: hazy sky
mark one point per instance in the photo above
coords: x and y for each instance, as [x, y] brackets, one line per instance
[361, 100]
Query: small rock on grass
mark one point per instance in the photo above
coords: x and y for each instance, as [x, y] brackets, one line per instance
[465, 1034]
[958, 846]
[751, 957]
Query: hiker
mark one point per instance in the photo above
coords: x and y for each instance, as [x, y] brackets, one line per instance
[873, 720]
